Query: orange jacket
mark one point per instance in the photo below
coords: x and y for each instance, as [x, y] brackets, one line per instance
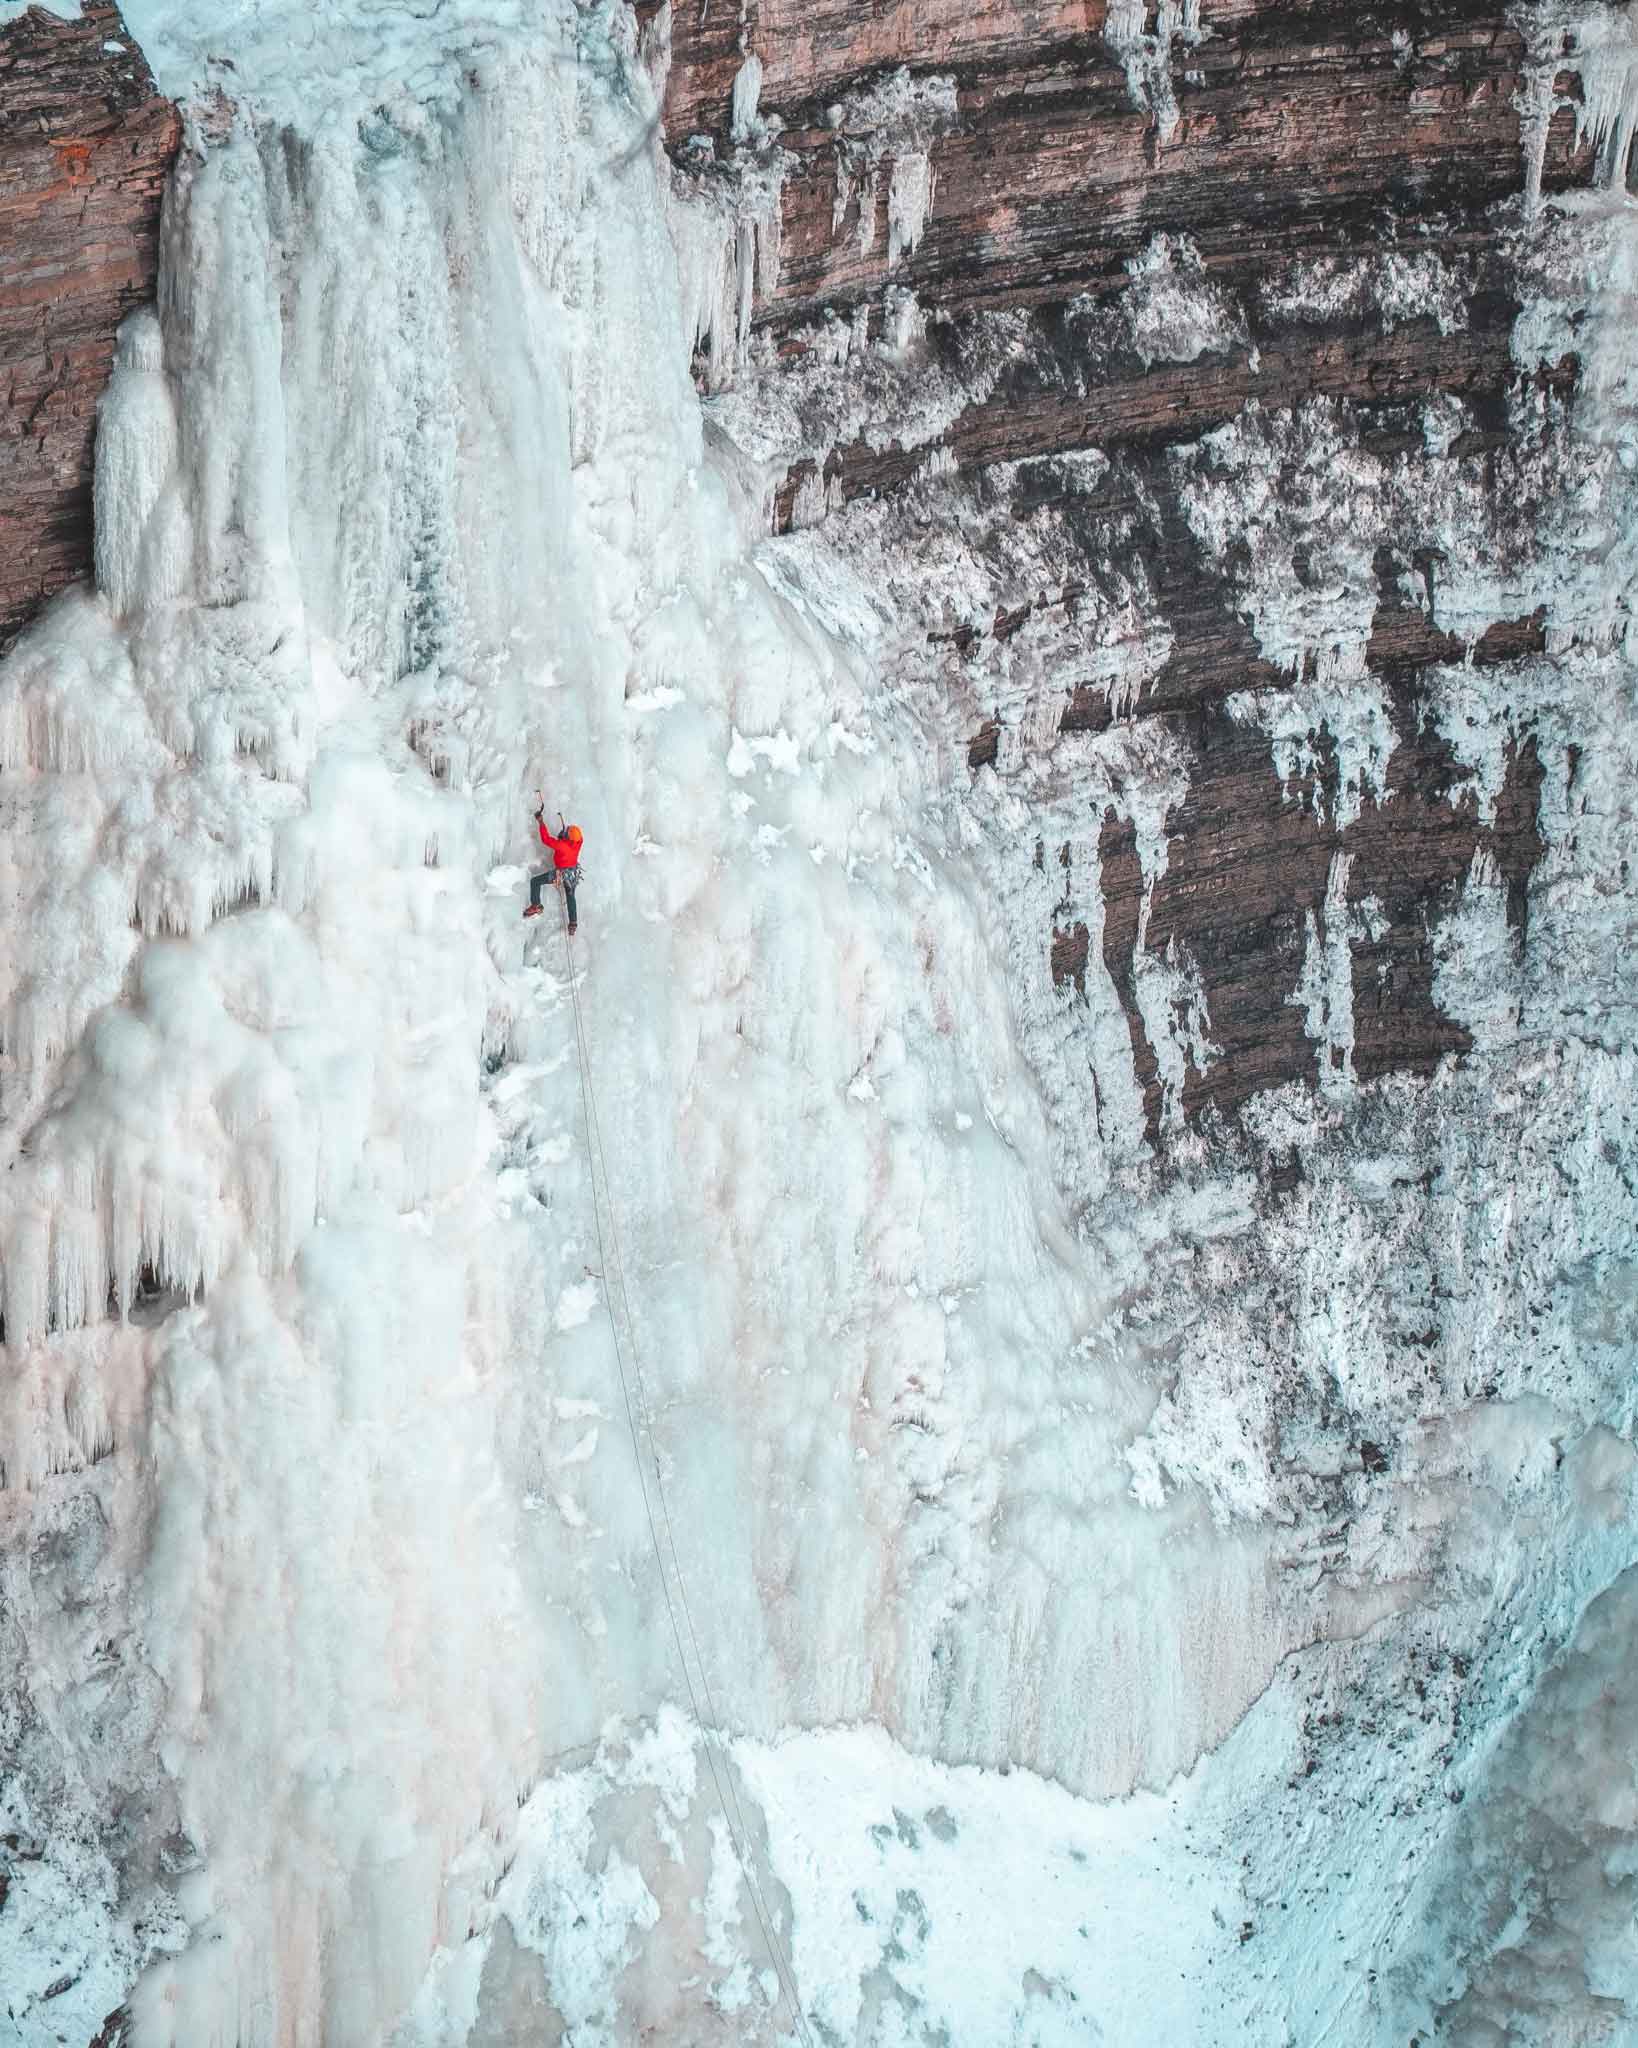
[565, 852]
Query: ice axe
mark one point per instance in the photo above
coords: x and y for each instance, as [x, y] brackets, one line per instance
[540, 807]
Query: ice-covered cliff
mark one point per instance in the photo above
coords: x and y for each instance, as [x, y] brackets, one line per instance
[1141, 1544]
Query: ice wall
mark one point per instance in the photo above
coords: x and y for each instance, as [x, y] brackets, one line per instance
[402, 515]
[251, 1251]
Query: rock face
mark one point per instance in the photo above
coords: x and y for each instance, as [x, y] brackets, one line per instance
[1195, 324]
[85, 143]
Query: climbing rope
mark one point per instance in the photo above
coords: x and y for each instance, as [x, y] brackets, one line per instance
[640, 1422]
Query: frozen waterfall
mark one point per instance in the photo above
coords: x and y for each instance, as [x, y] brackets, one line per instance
[353, 1710]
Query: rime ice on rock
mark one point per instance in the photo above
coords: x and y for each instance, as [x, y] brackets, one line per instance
[1350, 710]
[890, 125]
[1389, 288]
[1175, 314]
[1146, 53]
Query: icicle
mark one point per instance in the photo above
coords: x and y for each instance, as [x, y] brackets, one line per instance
[143, 540]
[727, 239]
[817, 496]
[909, 196]
[843, 193]
[743, 105]
[1537, 103]
[654, 53]
[1600, 45]
[864, 229]
[1325, 994]
[1606, 56]
[1147, 58]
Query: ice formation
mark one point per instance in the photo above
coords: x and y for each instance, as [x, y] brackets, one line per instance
[1022, 1495]
[1325, 993]
[1295, 509]
[1598, 45]
[1146, 52]
[1176, 314]
[889, 124]
[404, 514]
[726, 229]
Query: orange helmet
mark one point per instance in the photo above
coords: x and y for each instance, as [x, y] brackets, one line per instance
[575, 835]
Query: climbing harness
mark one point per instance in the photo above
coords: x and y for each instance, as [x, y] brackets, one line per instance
[640, 1422]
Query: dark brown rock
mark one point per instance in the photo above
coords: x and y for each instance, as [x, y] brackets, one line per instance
[1296, 126]
[1031, 414]
[1304, 132]
[85, 144]
[1249, 861]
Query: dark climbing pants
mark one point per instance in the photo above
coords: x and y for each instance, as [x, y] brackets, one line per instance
[569, 877]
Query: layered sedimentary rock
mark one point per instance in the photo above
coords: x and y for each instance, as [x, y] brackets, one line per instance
[85, 143]
[1192, 332]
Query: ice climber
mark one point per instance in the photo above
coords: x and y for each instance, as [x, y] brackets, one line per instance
[565, 867]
